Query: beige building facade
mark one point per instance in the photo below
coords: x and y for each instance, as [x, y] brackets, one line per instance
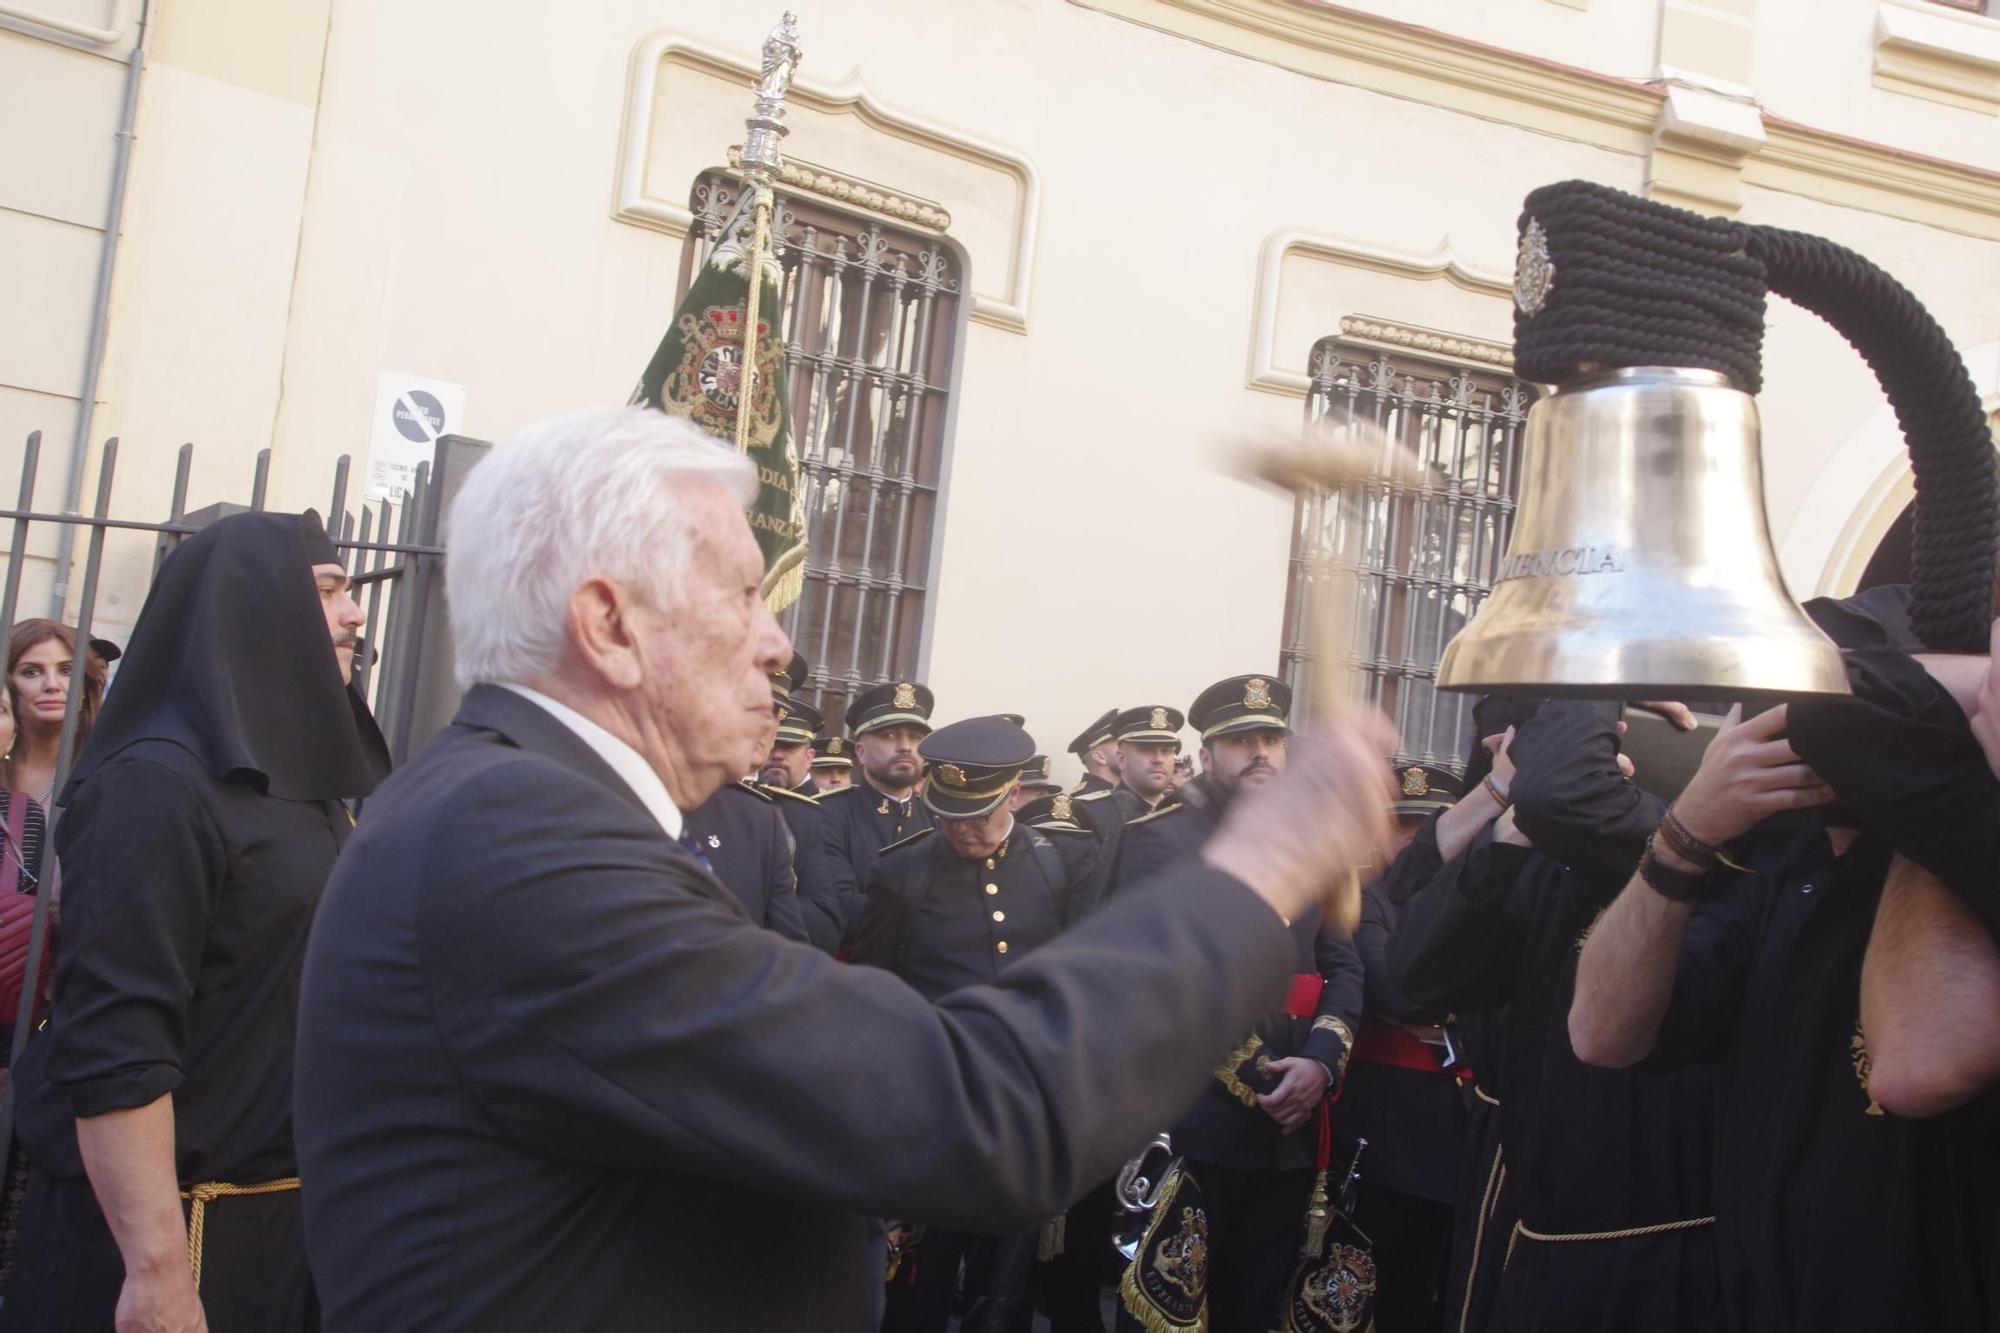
[1153, 212]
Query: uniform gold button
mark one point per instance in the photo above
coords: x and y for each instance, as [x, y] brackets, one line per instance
[1001, 947]
[999, 915]
[992, 889]
[989, 863]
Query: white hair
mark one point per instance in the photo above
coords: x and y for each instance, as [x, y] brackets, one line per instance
[561, 501]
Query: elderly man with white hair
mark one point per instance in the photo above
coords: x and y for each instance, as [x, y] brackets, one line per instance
[550, 1075]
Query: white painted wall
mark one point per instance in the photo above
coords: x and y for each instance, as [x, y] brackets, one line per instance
[436, 196]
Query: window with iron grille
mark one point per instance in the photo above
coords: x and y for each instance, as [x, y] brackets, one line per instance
[1402, 560]
[872, 324]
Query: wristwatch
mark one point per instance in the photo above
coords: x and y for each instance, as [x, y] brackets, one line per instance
[1681, 886]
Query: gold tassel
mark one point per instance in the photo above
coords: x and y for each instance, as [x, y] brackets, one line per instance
[1055, 1232]
[1319, 1216]
[786, 581]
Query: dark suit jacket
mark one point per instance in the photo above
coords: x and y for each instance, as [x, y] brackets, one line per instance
[551, 1076]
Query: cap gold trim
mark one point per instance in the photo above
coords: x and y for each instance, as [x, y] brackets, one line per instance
[1248, 722]
[890, 720]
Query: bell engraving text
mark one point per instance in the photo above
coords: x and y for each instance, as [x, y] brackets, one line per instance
[1568, 560]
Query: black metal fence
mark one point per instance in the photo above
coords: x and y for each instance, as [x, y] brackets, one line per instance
[394, 553]
[1421, 538]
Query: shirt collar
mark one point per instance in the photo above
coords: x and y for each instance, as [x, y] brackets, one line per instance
[630, 766]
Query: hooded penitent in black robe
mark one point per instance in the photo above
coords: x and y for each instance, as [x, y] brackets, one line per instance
[1587, 1151]
[200, 825]
[1832, 1213]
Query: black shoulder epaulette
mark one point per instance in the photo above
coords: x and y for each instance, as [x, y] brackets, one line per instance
[1152, 815]
[1097, 795]
[918, 836]
[771, 793]
[761, 793]
[1059, 826]
[841, 791]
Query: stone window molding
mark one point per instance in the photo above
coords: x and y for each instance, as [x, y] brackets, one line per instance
[1939, 54]
[685, 104]
[1299, 271]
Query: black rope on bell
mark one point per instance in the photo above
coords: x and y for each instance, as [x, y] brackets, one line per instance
[1610, 281]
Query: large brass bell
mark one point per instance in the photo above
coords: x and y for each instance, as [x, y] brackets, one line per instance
[1640, 565]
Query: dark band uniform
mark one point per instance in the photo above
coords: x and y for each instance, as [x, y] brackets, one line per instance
[739, 834]
[941, 921]
[1036, 780]
[832, 751]
[1109, 809]
[861, 820]
[1096, 734]
[1254, 1178]
[799, 723]
[1404, 1099]
[1611, 1170]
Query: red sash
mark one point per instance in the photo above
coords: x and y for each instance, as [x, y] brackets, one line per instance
[1384, 1043]
[1302, 999]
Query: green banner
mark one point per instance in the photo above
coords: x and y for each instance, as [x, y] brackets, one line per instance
[697, 372]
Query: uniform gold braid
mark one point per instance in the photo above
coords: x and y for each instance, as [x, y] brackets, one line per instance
[1338, 1027]
[1226, 1075]
[200, 1196]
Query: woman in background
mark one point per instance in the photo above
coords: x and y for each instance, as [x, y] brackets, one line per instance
[41, 657]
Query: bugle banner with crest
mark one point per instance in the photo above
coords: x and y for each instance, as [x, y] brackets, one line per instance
[723, 367]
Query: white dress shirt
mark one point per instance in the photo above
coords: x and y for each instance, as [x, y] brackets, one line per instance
[630, 766]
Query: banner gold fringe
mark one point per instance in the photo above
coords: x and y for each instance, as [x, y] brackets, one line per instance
[785, 583]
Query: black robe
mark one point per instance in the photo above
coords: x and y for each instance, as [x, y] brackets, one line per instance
[1833, 1214]
[203, 818]
[1586, 1150]
[186, 902]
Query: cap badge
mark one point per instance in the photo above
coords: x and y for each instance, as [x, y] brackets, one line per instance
[783, 712]
[1257, 694]
[833, 746]
[951, 775]
[906, 696]
[1534, 271]
[1415, 783]
[1159, 719]
[1060, 807]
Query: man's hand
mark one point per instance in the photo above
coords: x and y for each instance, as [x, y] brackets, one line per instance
[1985, 711]
[1300, 842]
[1748, 774]
[1679, 714]
[1302, 1085]
[160, 1300]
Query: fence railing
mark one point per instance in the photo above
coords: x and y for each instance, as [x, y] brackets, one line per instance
[394, 553]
